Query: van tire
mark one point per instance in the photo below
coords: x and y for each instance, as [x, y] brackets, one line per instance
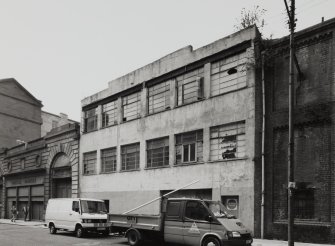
[80, 231]
[134, 238]
[210, 241]
[52, 229]
[105, 233]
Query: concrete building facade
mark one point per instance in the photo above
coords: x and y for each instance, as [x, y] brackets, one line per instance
[190, 115]
[314, 206]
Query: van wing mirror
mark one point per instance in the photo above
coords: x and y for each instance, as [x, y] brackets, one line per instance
[209, 218]
[76, 210]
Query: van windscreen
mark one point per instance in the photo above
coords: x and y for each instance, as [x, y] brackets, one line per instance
[93, 207]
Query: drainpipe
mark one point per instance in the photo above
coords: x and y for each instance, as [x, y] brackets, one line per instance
[263, 148]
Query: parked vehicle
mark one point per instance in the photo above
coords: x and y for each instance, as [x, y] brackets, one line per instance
[184, 221]
[79, 215]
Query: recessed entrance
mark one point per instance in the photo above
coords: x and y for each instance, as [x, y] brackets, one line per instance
[61, 177]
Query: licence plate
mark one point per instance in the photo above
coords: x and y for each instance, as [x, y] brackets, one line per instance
[248, 241]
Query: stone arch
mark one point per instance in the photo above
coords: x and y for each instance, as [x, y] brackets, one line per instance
[64, 151]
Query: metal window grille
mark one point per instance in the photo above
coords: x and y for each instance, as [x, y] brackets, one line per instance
[108, 160]
[189, 147]
[158, 152]
[304, 204]
[131, 106]
[190, 86]
[227, 141]
[89, 162]
[228, 74]
[109, 114]
[90, 120]
[130, 155]
[159, 97]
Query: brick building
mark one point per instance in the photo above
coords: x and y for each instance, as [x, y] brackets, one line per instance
[314, 136]
[189, 115]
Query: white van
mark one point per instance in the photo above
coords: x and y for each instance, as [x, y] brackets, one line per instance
[79, 215]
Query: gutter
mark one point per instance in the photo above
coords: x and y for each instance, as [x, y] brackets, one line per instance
[263, 148]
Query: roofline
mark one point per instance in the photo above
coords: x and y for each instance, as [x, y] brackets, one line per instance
[39, 102]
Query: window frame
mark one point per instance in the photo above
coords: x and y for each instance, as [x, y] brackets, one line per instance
[107, 113]
[125, 102]
[156, 91]
[86, 160]
[239, 127]
[103, 159]
[148, 142]
[124, 157]
[198, 139]
[88, 116]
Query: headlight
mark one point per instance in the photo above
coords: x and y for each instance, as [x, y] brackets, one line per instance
[234, 234]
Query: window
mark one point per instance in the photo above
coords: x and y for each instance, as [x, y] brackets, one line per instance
[173, 209]
[89, 162]
[189, 147]
[54, 124]
[90, 120]
[304, 203]
[131, 106]
[108, 160]
[158, 152]
[190, 86]
[227, 142]
[159, 97]
[75, 206]
[196, 211]
[228, 74]
[109, 114]
[23, 163]
[130, 155]
[38, 160]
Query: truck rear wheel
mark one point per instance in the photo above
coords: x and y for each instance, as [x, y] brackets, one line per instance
[134, 238]
[211, 241]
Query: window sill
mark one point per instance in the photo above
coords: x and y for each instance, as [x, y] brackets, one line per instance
[123, 122]
[188, 164]
[301, 222]
[185, 104]
[228, 160]
[167, 109]
[91, 131]
[132, 170]
[153, 168]
[108, 126]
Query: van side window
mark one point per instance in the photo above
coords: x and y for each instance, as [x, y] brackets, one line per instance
[173, 209]
[75, 206]
[196, 211]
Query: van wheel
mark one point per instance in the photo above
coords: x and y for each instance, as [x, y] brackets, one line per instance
[105, 233]
[52, 229]
[211, 241]
[80, 232]
[133, 238]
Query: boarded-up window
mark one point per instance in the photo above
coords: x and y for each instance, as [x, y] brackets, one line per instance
[109, 114]
[89, 162]
[158, 152]
[227, 141]
[108, 160]
[131, 106]
[159, 97]
[228, 74]
[189, 147]
[90, 120]
[130, 155]
[190, 86]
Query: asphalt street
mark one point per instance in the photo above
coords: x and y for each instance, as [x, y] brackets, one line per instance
[15, 235]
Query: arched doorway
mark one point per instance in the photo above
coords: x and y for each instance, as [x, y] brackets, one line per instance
[61, 177]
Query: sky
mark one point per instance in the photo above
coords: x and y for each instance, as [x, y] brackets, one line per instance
[62, 51]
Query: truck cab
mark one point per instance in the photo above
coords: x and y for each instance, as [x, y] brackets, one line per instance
[203, 223]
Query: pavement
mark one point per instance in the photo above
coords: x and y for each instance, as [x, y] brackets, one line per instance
[257, 242]
[23, 223]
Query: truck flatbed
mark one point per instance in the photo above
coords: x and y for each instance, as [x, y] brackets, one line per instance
[138, 221]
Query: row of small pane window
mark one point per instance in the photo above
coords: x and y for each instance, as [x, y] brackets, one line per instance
[226, 75]
[226, 142]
